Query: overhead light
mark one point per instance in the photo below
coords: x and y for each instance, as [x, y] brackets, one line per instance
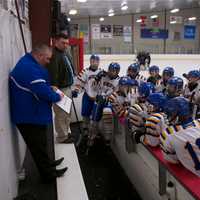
[111, 14]
[111, 11]
[68, 19]
[124, 6]
[73, 12]
[174, 10]
[192, 18]
[101, 19]
[138, 20]
[173, 22]
[82, 1]
[154, 16]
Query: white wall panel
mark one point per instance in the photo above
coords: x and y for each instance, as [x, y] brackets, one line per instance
[12, 147]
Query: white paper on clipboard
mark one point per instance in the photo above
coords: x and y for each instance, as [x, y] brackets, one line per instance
[65, 103]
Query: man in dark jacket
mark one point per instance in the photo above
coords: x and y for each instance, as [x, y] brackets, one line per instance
[31, 98]
[61, 74]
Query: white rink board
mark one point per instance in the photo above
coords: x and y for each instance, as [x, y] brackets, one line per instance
[71, 186]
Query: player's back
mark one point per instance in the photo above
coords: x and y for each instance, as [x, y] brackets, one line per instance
[187, 146]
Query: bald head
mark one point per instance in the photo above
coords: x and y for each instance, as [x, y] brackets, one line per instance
[42, 53]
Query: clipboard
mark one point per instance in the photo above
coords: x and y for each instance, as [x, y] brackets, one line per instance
[65, 103]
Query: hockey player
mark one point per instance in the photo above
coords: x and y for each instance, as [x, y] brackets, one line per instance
[168, 72]
[174, 87]
[137, 113]
[122, 98]
[133, 72]
[143, 59]
[144, 90]
[155, 123]
[192, 91]
[85, 82]
[107, 83]
[181, 143]
[154, 76]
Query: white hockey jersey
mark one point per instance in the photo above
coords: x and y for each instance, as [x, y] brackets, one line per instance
[140, 78]
[107, 86]
[184, 146]
[85, 81]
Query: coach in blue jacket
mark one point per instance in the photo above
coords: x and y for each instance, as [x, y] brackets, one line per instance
[31, 98]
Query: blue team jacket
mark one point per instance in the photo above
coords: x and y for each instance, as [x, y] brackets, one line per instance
[31, 96]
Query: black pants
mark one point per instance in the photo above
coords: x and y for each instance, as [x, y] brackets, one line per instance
[36, 141]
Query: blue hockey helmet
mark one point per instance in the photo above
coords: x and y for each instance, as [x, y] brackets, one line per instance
[94, 57]
[193, 74]
[154, 68]
[177, 107]
[125, 80]
[177, 82]
[114, 67]
[174, 86]
[169, 71]
[158, 100]
[145, 89]
[135, 67]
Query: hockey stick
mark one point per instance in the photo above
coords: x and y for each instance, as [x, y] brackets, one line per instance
[79, 127]
[90, 139]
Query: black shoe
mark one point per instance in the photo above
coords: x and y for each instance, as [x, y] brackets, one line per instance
[57, 162]
[60, 172]
[67, 141]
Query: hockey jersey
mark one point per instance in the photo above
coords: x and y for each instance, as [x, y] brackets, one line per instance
[166, 144]
[156, 81]
[85, 81]
[107, 86]
[183, 146]
[140, 78]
